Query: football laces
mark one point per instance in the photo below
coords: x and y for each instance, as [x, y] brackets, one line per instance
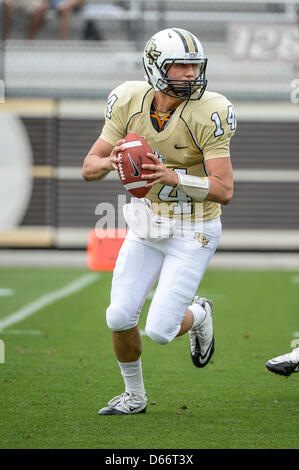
[120, 169]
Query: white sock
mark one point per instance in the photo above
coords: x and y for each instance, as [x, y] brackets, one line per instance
[199, 314]
[132, 375]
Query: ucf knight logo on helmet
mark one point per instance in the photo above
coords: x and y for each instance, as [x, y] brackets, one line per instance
[151, 51]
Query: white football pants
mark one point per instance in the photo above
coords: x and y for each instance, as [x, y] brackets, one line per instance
[178, 264]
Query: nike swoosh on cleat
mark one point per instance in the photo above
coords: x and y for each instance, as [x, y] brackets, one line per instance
[133, 408]
[202, 359]
[178, 147]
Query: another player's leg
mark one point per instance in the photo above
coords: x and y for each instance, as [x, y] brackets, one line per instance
[286, 364]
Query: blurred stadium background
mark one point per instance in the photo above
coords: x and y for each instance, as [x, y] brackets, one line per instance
[54, 93]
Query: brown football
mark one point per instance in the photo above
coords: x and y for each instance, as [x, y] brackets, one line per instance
[130, 164]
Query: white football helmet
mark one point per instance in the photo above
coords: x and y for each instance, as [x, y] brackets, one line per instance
[162, 51]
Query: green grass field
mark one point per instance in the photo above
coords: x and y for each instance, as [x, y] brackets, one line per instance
[60, 369]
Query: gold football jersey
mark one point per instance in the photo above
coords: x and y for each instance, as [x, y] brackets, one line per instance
[197, 131]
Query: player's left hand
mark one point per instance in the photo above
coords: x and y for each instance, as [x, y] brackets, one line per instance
[161, 174]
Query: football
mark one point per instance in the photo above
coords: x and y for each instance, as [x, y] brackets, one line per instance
[130, 164]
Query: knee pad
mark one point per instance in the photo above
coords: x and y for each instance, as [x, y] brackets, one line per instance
[118, 319]
[157, 337]
[162, 331]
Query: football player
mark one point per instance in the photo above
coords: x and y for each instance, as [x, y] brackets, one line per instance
[189, 130]
[286, 364]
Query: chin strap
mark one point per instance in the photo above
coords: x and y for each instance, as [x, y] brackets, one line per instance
[196, 187]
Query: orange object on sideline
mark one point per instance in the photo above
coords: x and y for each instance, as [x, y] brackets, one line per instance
[103, 247]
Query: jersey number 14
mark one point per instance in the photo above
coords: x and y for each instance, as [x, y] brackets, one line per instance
[230, 119]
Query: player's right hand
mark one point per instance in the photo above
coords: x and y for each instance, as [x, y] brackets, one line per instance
[113, 157]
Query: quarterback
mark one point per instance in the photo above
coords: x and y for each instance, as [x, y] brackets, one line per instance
[174, 231]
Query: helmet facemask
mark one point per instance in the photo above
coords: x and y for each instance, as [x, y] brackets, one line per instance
[179, 88]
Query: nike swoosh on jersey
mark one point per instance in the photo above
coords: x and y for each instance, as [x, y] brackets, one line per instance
[136, 171]
[178, 147]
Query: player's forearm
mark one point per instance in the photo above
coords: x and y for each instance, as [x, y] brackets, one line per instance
[95, 168]
[212, 188]
[220, 191]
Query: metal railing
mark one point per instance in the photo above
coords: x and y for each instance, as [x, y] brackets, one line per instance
[76, 67]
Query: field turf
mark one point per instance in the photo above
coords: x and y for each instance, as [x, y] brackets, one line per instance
[60, 369]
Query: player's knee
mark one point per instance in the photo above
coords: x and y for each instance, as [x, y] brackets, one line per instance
[156, 336]
[161, 330]
[118, 319]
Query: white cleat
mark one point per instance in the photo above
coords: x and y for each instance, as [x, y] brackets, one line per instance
[286, 364]
[127, 403]
[202, 336]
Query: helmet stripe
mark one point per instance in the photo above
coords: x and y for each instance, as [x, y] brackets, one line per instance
[194, 42]
[188, 39]
[184, 40]
[189, 42]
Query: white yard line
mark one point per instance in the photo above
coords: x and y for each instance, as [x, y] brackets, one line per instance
[48, 299]
[20, 332]
[4, 292]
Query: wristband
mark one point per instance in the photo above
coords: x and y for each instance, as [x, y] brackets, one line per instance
[195, 186]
